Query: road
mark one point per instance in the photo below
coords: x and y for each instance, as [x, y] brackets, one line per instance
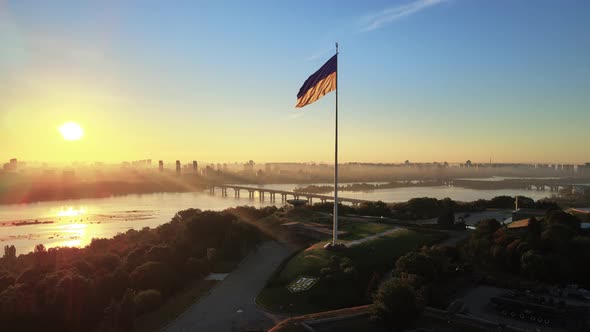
[230, 305]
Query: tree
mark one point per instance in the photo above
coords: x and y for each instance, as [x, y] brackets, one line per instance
[196, 267]
[68, 289]
[486, 228]
[422, 207]
[39, 249]
[148, 300]
[152, 275]
[378, 208]
[136, 257]
[544, 204]
[534, 229]
[581, 247]
[207, 229]
[167, 232]
[556, 237]
[159, 254]
[502, 202]
[29, 276]
[107, 262]
[73, 300]
[394, 305]
[120, 315]
[525, 202]
[446, 217]
[185, 214]
[6, 281]
[9, 252]
[499, 254]
[481, 240]
[563, 218]
[417, 263]
[533, 265]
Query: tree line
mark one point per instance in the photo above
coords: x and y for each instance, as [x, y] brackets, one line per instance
[555, 249]
[107, 284]
[416, 283]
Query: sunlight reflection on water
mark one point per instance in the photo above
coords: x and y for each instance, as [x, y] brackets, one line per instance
[71, 212]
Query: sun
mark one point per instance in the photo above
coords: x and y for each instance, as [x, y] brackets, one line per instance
[71, 131]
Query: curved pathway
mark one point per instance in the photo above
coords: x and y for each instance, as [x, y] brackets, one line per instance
[230, 305]
[372, 237]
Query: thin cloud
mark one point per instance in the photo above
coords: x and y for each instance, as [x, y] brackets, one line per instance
[388, 15]
[295, 115]
[319, 54]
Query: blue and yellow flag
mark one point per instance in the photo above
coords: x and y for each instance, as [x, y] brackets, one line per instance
[319, 83]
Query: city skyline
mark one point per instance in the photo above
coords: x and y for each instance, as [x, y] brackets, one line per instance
[14, 164]
[420, 80]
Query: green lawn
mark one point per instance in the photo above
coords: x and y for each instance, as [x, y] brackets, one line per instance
[356, 230]
[359, 230]
[343, 290]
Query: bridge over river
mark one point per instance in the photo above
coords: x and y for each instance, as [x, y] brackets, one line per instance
[272, 193]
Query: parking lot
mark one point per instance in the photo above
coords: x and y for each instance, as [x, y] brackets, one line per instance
[477, 303]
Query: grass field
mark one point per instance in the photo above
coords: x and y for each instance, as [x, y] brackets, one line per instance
[359, 230]
[356, 230]
[342, 290]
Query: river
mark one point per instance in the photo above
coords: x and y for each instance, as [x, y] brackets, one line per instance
[76, 222]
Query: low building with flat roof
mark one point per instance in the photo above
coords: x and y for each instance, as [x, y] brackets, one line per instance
[525, 213]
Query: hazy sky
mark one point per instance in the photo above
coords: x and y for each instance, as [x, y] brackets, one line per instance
[424, 80]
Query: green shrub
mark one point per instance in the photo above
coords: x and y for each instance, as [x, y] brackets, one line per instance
[394, 305]
[197, 267]
[152, 275]
[148, 300]
[159, 254]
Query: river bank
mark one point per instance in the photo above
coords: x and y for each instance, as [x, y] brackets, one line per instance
[76, 222]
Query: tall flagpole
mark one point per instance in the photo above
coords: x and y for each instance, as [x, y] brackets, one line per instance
[335, 235]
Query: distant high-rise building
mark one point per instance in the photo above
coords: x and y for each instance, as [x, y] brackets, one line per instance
[12, 165]
[276, 168]
[249, 167]
[178, 167]
[195, 167]
[149, 162]
[161, 165]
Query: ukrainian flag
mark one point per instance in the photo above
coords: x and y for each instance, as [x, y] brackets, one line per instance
[319, 83]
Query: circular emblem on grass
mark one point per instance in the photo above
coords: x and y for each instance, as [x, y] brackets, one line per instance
[302, 284]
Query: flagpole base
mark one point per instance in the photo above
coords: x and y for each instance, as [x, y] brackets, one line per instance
[334, 247]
